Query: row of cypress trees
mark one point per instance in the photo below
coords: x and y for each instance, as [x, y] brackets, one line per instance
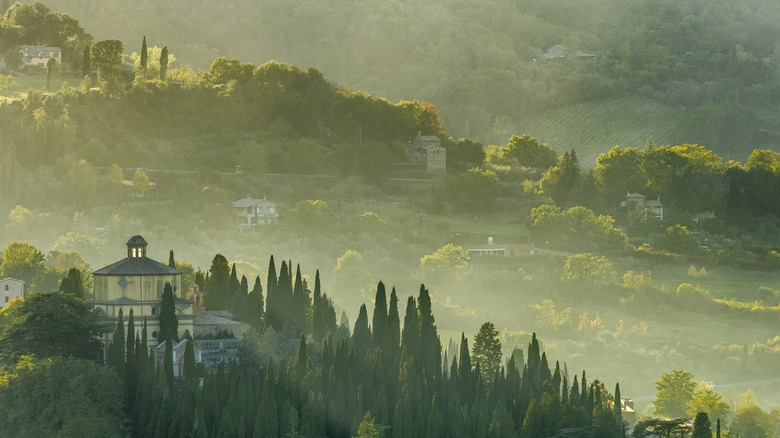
[384, 371]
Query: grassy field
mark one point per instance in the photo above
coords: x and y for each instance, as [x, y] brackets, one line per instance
[593, 128]
[23, 83]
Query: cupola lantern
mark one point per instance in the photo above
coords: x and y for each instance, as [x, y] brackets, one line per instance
[136, 247]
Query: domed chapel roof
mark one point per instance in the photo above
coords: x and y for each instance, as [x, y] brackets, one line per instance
[138, 264]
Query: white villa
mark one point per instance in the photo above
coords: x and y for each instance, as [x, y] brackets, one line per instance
[249, 212]
[10, 288]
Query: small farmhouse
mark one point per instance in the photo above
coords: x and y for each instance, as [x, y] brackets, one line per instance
[10, 289]
[560, 51]
[249, 213]
[427, 149]
[500, 250]
[38, 56]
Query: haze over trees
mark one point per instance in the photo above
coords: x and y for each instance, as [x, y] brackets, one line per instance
[484, 66]
[694, 291]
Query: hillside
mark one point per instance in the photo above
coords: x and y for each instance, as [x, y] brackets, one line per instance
[475, 63]
[592, 128]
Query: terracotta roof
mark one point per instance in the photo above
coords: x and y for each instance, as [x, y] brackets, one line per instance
[137, 266]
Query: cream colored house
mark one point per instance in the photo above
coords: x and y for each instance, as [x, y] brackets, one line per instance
[137, 282]
[249, 212]
[640, 209]
[38, 56]
[10, 289]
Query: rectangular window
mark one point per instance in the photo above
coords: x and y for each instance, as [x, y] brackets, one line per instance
[6, 287]
[6, 299]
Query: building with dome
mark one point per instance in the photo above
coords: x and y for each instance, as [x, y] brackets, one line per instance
[137, 282]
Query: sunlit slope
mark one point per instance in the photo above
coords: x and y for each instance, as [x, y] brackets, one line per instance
[593, 128]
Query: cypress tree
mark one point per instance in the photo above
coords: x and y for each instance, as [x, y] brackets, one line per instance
[466, 380]
[215, 291]
[131, 363]
[164, 63]
[544, 370]
[189, 357]
[169, 325]
[317, 312]
[556, 379]
[239, 300]
[144, 62]
[394, 325]
[565, 390]
[116, 351]
[200, 279]
[168, 365]
[574, 394]
[361, 335]
[86, 68]
[410, 338]
[301, 360]
[584, 389]
[226, 427]
[299, 303]
[233, 285]
[617, 406]
[430, 345]
[171, 259]
[72, 284]
[379, 320]
[253, 311]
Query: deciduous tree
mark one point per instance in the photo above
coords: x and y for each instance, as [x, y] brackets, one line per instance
[51, 324]
[675, 392]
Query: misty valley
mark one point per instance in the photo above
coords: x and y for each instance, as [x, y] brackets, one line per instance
[547, 232]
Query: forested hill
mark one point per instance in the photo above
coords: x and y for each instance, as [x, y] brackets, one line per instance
[717, 60]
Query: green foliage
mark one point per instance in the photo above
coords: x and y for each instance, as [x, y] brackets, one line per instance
[706, 400]
[575, 228]
[475, 190]
[589, 268]
[216, 293]
[106, 57]
[22, 261]
[77, 396]
[679, 239]
[447, 259]
[753, 422]
[559, 180]
[675, 392]
[50, 324]
[527, 151]
[141, 182]
[311, 212]
[169, 324]
[224, 70]
[486, 351]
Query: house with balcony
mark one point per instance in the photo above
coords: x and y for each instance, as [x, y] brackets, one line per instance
[640, 210]
[249, 213]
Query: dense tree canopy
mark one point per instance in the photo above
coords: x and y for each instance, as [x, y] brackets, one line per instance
[61, 396]
[50, 324]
